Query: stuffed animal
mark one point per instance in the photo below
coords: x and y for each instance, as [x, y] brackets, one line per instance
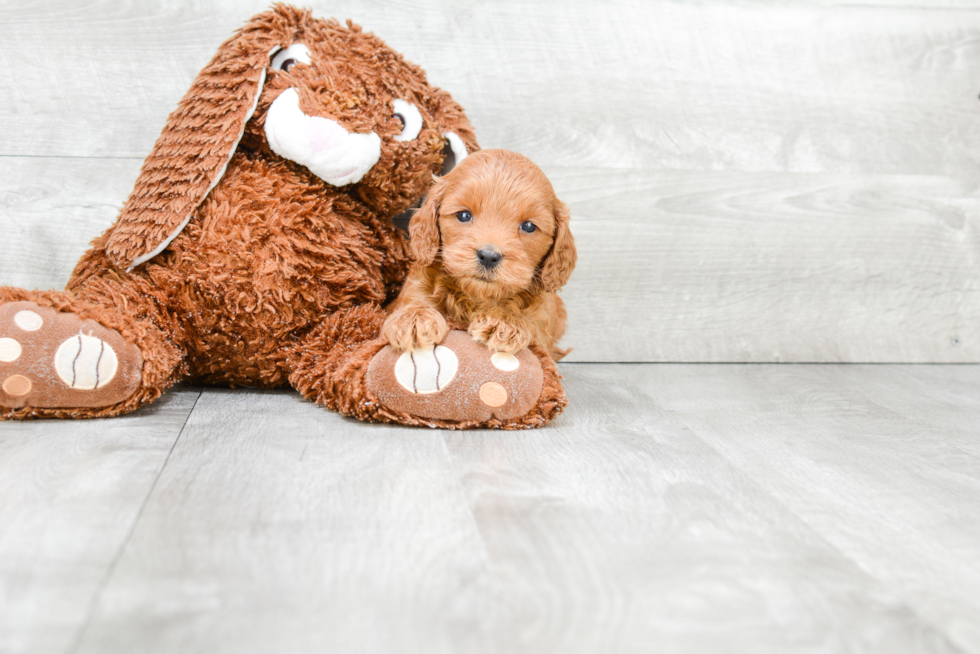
[257, 248]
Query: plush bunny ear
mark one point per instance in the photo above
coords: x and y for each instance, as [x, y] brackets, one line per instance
[423, 230]
[560, 262]
[199, 139]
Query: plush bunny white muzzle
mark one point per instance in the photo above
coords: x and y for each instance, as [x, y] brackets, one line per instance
[329, 151]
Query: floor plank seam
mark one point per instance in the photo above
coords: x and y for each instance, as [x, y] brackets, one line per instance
[461, 489]
[956, 646]
[110, 570]
[907, 419]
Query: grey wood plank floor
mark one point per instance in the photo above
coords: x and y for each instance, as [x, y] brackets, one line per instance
[675, 508]
[70, 495]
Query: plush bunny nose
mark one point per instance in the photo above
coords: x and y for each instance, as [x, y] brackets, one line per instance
[489, 257]
[324, 134]
[329, 151]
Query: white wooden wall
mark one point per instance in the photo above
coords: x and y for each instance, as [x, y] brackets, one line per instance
[749, 181]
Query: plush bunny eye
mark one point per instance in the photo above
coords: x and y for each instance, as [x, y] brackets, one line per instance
[297, 53]
[410, 118]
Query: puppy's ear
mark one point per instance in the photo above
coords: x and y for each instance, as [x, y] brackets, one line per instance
[199, 139]
[560, 262]
[423, 230]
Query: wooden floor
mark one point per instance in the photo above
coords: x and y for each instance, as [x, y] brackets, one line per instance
[672, 508]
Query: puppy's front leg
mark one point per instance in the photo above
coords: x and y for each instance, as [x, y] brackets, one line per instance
[414, 326]
[500, 335]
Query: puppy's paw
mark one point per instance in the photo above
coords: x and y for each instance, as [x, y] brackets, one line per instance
[410, 328]
[499, 335]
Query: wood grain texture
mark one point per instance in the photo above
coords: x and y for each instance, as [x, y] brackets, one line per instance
[683, 266]
[673, 266]
[70, 494]
[622, 530]
[750, 181]
[51, 208]
[694, 508]
[280, 527]
[724, 86]
[883, 462]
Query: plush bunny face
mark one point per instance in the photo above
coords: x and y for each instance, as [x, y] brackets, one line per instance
[344, 105]
[334, 100]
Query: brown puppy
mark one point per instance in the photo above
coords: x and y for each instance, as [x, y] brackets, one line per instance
[491, 247]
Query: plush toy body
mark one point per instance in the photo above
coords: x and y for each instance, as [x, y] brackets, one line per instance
[257, 247]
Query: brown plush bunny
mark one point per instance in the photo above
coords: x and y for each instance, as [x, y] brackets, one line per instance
[257, 247]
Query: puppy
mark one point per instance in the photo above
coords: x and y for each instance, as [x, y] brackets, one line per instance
[491, 247]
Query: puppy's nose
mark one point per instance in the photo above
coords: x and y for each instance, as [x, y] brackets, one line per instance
[489, 257]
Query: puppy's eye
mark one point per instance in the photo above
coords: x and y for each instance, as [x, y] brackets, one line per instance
[297, 53]
[410, 119]
[527, 227]
[464, 216]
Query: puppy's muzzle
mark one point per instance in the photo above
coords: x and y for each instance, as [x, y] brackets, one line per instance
[488, 257]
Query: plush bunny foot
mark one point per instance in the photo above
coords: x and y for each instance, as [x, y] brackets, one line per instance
[50, 359]
[346, 365]
[459, 380]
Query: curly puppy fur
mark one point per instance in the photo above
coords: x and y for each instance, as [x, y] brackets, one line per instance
[492, 247]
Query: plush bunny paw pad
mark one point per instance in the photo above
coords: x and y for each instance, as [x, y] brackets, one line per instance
[459, 380]
[58, 360]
